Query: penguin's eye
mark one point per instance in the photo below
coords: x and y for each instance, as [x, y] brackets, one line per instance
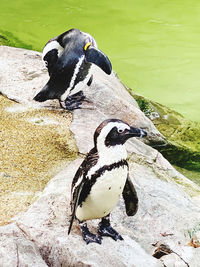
[120, 130]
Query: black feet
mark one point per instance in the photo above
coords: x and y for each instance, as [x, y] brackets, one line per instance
[105, 229]
[71, 105]
[88, 237]
[74, 101]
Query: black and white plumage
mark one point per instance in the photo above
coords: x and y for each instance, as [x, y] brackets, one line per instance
[68, 58]
[102, 178]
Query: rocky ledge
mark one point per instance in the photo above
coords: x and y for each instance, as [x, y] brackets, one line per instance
[164, 232]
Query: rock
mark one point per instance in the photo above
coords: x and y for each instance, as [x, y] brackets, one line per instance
[165, 214]
[17, 250]
[48, 230]
[169, 203]
[108, 98]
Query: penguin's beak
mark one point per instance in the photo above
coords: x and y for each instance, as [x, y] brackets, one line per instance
[137, 132]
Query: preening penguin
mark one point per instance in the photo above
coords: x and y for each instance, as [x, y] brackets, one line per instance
[68, 58]
[102, 178]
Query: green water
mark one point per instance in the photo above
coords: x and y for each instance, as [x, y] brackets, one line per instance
[154, 45]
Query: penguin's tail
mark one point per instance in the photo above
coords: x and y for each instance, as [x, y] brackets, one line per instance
[43, 95]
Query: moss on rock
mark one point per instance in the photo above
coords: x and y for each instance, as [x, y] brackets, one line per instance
[35, 145]
[183, 148]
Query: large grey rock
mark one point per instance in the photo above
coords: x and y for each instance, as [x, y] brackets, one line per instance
[169, 204]
[17, 250]
[48, 230]
[165, 215]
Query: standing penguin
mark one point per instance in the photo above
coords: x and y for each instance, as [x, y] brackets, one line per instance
[68, 58]
[101, 179]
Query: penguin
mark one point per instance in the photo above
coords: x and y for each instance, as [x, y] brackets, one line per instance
[68, 58]
[101, 179]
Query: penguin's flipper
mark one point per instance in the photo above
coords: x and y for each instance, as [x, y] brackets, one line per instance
[74, 204]
[80, 181]
[94, 55]
[130, 198]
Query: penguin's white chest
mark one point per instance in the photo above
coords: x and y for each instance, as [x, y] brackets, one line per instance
[104, 194]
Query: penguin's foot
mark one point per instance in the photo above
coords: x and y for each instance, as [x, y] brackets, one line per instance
[77, 97]
[71, 105]
[105, 229]
[88, 237]
[74, 101]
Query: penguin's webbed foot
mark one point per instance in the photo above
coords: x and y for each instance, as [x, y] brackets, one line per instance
[74, 101]
[105, 229]
[71, 105]
[88, 237]
[77, 97]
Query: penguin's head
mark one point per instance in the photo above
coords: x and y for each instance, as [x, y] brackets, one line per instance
[114, 132]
